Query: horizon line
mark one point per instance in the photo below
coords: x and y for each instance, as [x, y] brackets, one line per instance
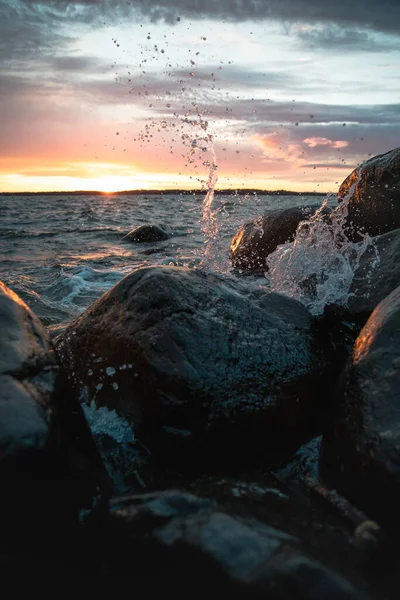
[164, 191]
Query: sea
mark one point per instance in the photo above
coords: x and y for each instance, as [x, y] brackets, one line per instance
[62, 252]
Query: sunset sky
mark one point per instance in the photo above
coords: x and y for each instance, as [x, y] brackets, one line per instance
[112, 95]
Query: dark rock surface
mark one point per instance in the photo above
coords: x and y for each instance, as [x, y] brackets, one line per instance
[240, 538]
[378, 274]
[205, 371]
[373, 193]
[148, 234]
[44, 438]
[360, 453]
[27, 372]
[193, 543]
[255, 241]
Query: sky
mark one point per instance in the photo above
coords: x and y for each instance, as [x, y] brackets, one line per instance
[112, 95]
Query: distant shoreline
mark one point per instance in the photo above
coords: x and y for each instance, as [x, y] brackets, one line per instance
[162, 192]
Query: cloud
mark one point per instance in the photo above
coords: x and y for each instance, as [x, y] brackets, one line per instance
[332, 165]
[322, 141]
[330, 36]
[75, 64]
[41, 21]
[381, 16]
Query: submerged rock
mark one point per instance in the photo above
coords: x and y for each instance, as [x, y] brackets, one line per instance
[148, 234]
[44, 437]
[360, 452]
[207, 373]
[372, 193]
[255, 241]
[192, 543]
[377, 275]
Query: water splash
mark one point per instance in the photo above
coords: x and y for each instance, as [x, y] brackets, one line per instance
[318, 267]
[201, 146]
[209, 213]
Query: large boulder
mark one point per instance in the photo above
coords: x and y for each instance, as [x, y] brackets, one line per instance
[204, 370]
[195, 546]
[360, 452]
[44, 438]
[377, 274]
[148, 234]
[372, 195]
[256, 240]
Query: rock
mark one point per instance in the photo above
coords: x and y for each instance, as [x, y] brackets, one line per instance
[255, 241]
[44, 438]
[148, 234]
[372, 193]
[206, 372]
[377, 275]
[360, 452]
[191, 543]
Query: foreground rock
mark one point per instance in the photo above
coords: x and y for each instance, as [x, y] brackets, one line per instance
[148, 234]
[207, 374]
[372, 193]
[360, 453]
[255, 241]
[377, 275]
[193, 544]
[44, 438]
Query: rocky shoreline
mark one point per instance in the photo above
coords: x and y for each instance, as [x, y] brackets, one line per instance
[264, 458]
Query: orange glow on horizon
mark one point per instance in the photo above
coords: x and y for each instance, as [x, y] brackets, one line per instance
[111, 178]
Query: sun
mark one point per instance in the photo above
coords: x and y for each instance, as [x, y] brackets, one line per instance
[110, 184]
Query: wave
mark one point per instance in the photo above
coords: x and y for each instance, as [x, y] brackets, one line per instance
[19, 233]
[83, 283]
[318, 267]
[26, 233]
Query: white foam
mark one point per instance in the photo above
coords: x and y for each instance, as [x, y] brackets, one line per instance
[69, 286]
[105, 421]
[318, 267]
[115, 440]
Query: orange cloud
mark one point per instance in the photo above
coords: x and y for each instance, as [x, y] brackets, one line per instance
[313, 142]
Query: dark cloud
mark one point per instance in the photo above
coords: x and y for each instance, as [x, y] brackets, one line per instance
[233, 77]
[34, 16]
[322, 165]
[382, 16]
[259, 111]
[332, 37]
[78, 64]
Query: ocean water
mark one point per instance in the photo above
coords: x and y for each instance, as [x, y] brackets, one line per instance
[62, 252]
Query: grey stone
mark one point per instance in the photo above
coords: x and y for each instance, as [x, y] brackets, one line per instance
[148, 234]
[377, 275]
[256, 240]
[201, 367]
[360, 452]
[193, 543]
[44, 438]
[372, 192]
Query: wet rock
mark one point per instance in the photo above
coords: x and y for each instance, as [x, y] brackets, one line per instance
[373, 195]
[191, 543]
[148, 234]
[377, 275]
[255, 241]
[44, 438]
[360, 452]
[207, 373]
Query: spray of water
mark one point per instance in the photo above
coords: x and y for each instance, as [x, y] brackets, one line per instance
[202, 151]
[209, 212]
[318, 267]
